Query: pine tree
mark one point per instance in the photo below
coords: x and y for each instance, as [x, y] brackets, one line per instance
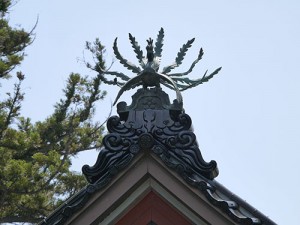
[35, 158]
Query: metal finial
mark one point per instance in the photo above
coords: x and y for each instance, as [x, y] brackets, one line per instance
[147, 73]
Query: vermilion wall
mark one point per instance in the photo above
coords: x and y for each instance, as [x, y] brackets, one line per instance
[153, 208]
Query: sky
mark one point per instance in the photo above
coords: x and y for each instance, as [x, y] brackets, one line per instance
[247, 117]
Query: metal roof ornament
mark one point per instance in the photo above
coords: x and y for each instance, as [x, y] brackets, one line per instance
[151, 123]
[147, 73]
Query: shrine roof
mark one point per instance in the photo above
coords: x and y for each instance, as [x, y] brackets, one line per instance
[151, 144]
[152, 128]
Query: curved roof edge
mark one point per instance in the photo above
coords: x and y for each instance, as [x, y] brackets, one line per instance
[216, 194]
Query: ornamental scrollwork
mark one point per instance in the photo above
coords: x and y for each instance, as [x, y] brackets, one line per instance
[163, 132]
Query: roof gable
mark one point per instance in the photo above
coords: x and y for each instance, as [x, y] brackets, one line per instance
[146, 174]
[152, 148]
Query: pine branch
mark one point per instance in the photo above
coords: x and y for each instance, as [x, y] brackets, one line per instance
[62, 107]
[19, 219]
[13, 104]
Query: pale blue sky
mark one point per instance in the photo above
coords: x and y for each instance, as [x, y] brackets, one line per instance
[247, 118]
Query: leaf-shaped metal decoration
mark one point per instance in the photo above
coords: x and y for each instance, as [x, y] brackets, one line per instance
[180, 56]
[183, 50]
[184, 80]
[148, 74]
[191, 67]
[137, 50]
[167, 69]
[180, 86]
[159, 43]
[203, 79]
[123, 61]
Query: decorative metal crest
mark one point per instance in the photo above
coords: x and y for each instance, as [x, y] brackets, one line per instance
[147, 73]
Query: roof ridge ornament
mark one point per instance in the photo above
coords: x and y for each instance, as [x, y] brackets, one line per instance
[150, 124]
[147, 73]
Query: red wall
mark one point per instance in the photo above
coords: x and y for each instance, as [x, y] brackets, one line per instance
[153, 208]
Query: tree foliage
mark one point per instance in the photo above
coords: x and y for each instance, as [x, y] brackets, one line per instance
[35, 158]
